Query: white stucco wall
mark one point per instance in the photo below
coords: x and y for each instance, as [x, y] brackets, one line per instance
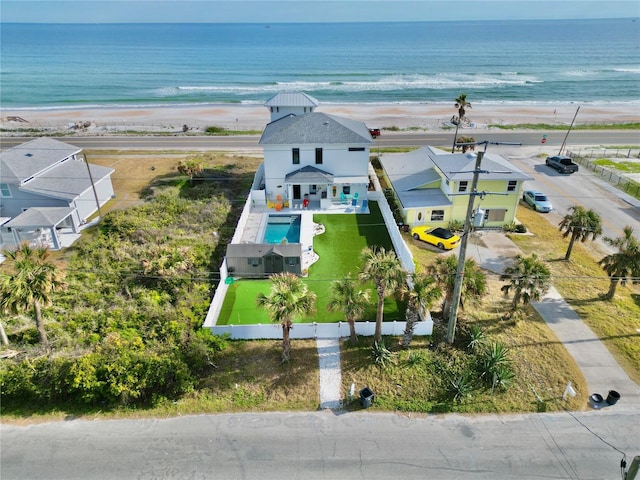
[337, 160]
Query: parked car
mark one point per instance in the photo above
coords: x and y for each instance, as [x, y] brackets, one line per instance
[375, 132]
[440, 237]
[537, 200]
[562, 164]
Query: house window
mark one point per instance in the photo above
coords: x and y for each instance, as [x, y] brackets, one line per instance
[318, 156]
[313, 189]
[4, 190]
[495, 215]
[511, 186]
[419, 216]
[463, 185]
[356, 149]
[295, 153]
[346, 189]
[254, 261]
[292, 261]
[437, 215]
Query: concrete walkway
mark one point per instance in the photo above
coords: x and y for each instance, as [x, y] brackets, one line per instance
[600, 369]
[330, 374]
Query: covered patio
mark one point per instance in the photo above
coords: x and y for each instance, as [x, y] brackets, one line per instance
[52, 227]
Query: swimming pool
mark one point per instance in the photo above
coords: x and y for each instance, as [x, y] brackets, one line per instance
[282, 227]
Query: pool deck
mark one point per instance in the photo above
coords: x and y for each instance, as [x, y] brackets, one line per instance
[256, 223]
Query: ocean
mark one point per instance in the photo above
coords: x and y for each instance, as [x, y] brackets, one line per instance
[555, 61]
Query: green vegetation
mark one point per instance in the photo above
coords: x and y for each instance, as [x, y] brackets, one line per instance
[339, 250]
[289, 297]
[628, 167]
[220, 131]
[126, 341]
[126, 332]
[583, 284]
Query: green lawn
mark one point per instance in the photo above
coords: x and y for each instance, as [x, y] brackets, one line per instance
[339, 251]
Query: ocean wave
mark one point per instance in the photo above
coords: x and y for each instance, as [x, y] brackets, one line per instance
[391, 83]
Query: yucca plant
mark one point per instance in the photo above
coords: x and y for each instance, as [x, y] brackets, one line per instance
[477, 338]
[461, 386]
[380, 353]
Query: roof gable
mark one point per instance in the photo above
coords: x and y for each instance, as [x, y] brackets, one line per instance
[315, 128]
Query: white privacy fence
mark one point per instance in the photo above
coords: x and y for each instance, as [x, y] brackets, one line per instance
[317, 330]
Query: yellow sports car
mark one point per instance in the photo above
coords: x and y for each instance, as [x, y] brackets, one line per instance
[440, 237]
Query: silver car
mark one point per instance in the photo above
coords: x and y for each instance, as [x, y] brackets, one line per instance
[537, 200]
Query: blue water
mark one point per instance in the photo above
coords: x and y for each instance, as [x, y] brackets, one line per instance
[555, 61]
[280, 227]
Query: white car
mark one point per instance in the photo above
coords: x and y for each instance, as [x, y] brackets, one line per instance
[537, 200]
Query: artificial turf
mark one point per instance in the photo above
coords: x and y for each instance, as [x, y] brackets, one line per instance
[339, 251]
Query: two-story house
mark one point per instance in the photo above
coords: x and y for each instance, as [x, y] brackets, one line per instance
[433, 186]
[313, 162]
[46, 186]
[313, 158]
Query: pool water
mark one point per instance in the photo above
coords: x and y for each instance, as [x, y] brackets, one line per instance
[280, 227]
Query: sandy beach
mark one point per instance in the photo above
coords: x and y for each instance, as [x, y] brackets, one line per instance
[91, 121]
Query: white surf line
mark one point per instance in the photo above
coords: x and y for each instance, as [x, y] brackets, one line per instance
[330, 374]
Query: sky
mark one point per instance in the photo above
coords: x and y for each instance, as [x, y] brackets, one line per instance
[288, 11]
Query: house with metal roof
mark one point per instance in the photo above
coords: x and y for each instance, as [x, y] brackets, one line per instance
[433, 186]
[47, 186]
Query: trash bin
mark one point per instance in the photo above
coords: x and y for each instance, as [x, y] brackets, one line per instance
[354, 201]
[613, 397]
[366, 397]
[405, 227]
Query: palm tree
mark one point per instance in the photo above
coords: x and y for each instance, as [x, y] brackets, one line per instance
[384, 269]
[351, 302]
[474, 284]
[191, 167]
[289, 297]
[461, 105]
[624, 265]
[421, 295]
[580, 224]
[32, 284]
[464, 148]
[528, 277]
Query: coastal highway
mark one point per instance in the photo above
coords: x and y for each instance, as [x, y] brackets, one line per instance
[387, 139]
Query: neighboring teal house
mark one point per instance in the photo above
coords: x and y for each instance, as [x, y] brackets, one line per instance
[433, 186]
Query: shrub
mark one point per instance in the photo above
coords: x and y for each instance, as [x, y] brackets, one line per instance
[215, 130]
[380, 353]
[456, 225]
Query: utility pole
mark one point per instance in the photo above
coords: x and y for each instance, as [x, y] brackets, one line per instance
[93, 186]
[564, 142]
[457, 287]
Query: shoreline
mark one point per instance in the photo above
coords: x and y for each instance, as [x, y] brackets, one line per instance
[254, 116]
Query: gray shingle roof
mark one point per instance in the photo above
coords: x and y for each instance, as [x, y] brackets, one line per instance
[461, 166]
[309, 174]
[29, 159]
[66, 180]
[291, 99]
[315, 128]
[40, 217]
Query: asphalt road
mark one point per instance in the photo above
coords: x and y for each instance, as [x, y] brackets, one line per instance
[388, 139]
[583, 188]
[322, 445]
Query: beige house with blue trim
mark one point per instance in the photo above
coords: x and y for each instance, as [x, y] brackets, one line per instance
[433, 186]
